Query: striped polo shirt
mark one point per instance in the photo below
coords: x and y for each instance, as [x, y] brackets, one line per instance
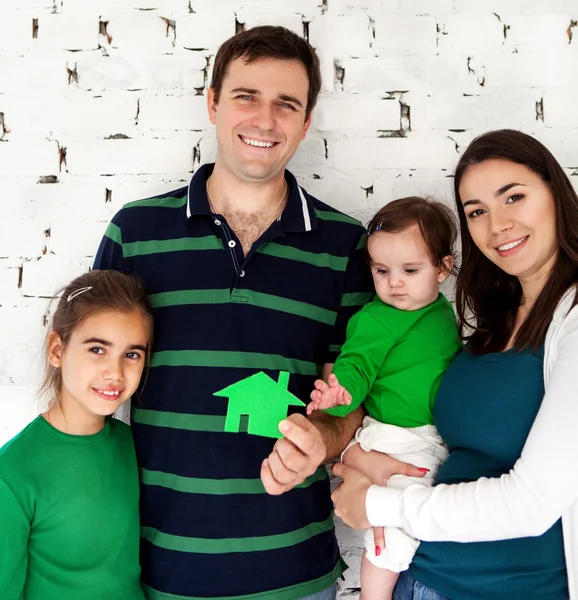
[209, 529]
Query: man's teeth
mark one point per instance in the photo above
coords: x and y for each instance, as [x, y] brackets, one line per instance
[109, 393]
[257, 143]
[512, 245]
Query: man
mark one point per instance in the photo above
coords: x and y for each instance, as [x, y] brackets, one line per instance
[246, 272]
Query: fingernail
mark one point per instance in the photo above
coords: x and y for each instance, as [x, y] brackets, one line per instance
[423, 470]
[284, 426]
[377, 551]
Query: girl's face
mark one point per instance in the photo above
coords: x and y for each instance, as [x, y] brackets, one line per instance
[403, 274]
[102, 363]
[511, 217]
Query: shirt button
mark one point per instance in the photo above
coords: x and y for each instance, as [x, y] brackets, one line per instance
[242, 274]
[217, 222]
[232, 243]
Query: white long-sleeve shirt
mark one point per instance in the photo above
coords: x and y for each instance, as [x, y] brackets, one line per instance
[542, 486]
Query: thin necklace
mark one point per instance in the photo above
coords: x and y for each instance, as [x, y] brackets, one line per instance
[271, 216]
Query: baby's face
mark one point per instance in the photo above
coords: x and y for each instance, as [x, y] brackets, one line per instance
[402, 271]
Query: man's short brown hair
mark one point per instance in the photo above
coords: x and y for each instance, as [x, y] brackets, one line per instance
[268, 41]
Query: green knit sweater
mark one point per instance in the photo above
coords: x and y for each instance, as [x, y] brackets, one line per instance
[69, 519]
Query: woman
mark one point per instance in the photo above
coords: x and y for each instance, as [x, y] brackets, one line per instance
[507, 405]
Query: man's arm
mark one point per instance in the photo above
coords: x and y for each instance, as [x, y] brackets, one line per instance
[307, 444]
[336, 432]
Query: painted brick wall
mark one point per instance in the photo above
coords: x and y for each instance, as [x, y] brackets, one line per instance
[104, 102]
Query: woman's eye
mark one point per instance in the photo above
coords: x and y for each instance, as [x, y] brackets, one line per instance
[475, 213]
[96, 350]
[515, 197]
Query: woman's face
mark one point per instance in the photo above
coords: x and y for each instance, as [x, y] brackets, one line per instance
[511, 217]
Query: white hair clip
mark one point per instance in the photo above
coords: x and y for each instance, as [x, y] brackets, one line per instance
[77, 293]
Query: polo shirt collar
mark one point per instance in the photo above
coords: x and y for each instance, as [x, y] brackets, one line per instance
[298, 215]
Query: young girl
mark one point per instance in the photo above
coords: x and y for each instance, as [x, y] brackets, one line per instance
[507, 405]
[69, 524]
[397, 348]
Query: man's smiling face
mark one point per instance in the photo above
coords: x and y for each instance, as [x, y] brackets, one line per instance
[260, 117]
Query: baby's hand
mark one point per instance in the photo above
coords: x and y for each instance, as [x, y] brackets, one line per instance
[328, 395]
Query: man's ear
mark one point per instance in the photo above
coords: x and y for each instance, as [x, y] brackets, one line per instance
[55, 349]
[212, 102]
[444, 272]
[306, 126]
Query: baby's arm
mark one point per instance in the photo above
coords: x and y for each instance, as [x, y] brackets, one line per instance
[355, 370]
[328, 395]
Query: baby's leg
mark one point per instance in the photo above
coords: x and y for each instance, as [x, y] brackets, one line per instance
[376, 583]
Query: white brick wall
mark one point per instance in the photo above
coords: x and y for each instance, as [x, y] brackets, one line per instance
[120, 85]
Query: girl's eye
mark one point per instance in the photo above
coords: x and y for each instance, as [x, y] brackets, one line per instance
[411, 271]
[382, 271]
[475, 213]
[133, 355]
[96, 350]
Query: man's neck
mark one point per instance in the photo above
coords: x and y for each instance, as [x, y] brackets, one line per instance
[230, 194]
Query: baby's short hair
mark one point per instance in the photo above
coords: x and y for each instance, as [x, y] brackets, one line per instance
[435, 220]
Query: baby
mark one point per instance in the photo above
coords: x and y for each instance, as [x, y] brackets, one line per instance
[396, 351]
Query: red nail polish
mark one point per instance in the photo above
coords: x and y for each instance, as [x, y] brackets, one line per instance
[377, 551]
[423, 470]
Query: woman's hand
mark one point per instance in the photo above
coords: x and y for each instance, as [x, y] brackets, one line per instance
[377, 466]
[349, 497]
[360, 471]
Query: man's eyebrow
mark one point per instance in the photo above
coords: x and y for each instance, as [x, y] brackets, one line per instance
[245, 90]
[287, 98]
[255, 92]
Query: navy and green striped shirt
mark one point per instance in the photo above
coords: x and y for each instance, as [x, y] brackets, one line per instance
[209, 530]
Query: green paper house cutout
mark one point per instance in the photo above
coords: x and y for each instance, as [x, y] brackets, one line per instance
[257, 404]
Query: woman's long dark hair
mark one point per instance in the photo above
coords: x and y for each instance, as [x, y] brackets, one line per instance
[487, 298]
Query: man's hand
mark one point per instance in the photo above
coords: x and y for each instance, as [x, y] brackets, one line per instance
[349, 497]
[294, 457]
[328, 395]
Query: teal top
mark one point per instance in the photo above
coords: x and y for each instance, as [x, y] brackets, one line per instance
[484, 410]
[69, 524]
[393, 360]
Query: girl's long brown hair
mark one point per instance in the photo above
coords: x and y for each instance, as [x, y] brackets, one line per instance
[487, 298]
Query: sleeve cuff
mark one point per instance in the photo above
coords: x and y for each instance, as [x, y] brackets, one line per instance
[383, 506]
